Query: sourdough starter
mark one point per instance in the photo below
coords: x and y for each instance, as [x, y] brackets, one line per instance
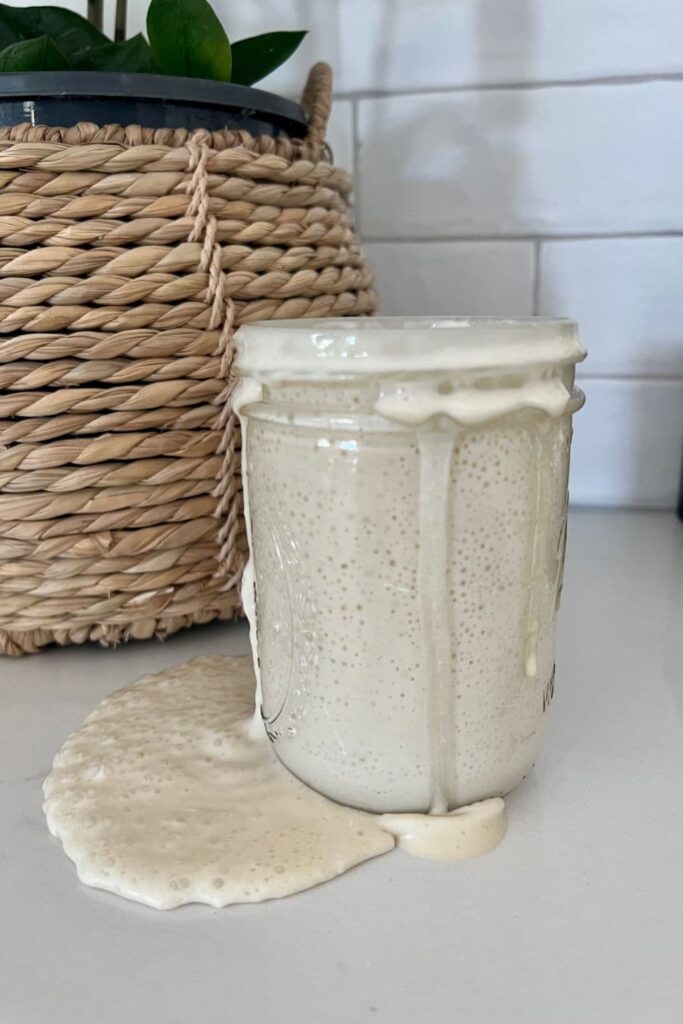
[407, 489]
[168, 795]
[405, 492]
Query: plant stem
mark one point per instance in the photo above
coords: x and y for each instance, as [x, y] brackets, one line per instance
[120, 23]
[95, 13]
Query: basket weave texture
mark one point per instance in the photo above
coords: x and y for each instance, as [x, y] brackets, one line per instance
[127, 258]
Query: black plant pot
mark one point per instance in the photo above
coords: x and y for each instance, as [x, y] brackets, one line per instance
[63, 98]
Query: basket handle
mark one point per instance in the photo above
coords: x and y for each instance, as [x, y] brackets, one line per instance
[317, 101]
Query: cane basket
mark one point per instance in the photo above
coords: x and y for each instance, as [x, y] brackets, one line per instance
[128, 256]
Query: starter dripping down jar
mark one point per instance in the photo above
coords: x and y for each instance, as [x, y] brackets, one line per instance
[406, 500]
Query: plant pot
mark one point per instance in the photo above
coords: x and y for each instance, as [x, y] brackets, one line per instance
[129, 253]
[59, 98]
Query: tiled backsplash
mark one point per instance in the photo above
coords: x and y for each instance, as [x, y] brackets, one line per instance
[519, 156]
[562, 160]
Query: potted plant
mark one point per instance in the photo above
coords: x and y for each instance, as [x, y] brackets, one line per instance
[151, 201]
[60, 67]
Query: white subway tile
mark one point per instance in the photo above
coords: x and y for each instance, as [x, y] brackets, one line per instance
[394, 45]
[627, 296]
[627, 446]
[569, 159]
[446, 278]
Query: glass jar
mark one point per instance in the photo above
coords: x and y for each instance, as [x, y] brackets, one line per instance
[406, 500]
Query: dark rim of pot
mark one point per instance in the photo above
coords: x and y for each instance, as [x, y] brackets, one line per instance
[134, 86]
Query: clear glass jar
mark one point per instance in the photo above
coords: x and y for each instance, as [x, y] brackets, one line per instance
[406, 484]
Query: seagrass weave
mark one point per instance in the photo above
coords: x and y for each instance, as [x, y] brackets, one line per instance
[127, 258]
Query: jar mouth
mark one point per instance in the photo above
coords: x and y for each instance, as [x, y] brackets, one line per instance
[323, 348]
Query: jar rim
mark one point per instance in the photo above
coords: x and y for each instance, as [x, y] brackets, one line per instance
[332, 347]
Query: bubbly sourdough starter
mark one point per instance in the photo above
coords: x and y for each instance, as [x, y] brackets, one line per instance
[168, 795]
[407, 548]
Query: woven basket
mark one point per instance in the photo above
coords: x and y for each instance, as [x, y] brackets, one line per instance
[127, 258]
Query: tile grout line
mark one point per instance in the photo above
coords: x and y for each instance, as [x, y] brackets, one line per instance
[626, 378]
[619, 505]
[550, 83]
[355, 151]
[567, 237]
[536, 290]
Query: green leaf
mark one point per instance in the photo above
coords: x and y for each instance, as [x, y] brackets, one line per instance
[188, 39]
[133, 55]
[33, 22]
[33, 55]
[256, 57]
[75, 41]
[8, 33]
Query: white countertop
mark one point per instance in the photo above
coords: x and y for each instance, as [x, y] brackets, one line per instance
[577, 918]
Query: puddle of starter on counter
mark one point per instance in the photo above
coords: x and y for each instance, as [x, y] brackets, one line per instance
[168, 795]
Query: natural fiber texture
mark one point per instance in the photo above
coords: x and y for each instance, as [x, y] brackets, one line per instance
[127, 258]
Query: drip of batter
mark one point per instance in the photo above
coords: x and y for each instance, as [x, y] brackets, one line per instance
[167, 795]
[408, 480]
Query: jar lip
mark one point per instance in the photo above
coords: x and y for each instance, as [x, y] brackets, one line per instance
[322, 348]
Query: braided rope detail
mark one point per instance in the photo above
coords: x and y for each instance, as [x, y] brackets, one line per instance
[229, 507]
[127, 258]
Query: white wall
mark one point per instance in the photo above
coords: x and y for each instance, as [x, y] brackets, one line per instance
[519, 156]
